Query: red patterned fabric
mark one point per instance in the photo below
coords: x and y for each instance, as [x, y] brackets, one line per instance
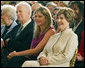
[81, 49]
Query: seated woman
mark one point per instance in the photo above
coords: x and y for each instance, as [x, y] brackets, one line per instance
[42, 33]
[61, 47]
[8, 17]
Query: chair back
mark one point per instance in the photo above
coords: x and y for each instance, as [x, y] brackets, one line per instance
[72, 62]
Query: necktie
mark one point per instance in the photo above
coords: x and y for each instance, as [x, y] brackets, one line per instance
[19, 31]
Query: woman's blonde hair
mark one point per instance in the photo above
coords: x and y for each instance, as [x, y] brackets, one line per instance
[68, 13]
[45, 11]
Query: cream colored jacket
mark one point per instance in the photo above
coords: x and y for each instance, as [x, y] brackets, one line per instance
[60, 48]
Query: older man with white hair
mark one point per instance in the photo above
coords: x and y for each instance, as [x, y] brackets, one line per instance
[23, 35]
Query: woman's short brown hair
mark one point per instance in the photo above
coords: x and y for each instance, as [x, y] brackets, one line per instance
[68, 13]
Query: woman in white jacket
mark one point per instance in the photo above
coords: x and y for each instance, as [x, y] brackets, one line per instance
[61, 47]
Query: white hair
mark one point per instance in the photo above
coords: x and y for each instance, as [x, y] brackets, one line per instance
[10, 11]
[26, 4]
[51, 4]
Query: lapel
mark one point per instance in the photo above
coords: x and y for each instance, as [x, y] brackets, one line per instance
[12, 26]
[2, 29]
[52, 41]
[56, 38]
[27, 28]
[24, 31]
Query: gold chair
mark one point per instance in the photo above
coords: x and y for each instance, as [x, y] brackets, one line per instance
[72, 62]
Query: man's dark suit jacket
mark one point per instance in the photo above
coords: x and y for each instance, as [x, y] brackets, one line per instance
[19, 43]
[23, 41]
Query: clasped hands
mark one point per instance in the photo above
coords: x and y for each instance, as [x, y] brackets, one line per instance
[79, 57]
[2, 43]
[43, 61]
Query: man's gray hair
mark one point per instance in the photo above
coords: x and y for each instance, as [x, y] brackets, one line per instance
[26, 4]
[10, 11]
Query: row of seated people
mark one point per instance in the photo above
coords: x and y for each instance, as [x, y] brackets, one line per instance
[22, 45]
[20, 39]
